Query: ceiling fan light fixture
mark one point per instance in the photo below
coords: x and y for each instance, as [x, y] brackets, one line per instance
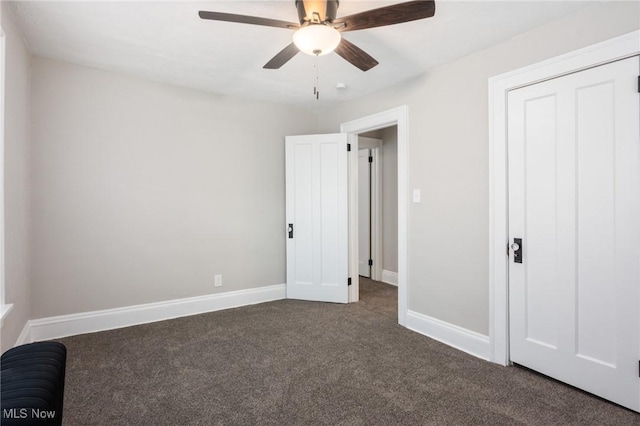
[317, 39]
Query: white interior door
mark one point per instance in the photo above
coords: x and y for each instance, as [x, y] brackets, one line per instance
[574, 173]
[364, 212]
[317, 217]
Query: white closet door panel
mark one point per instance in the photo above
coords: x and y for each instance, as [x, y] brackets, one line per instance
[595, 217]
[540, 148]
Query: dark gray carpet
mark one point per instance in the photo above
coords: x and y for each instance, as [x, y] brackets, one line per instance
[301, 363]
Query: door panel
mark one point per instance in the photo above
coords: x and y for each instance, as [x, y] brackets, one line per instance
[303, 206]
[540, 148]
[574, 174]
[596, 204]
[316, 206]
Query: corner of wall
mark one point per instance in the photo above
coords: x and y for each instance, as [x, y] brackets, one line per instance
[17, 198]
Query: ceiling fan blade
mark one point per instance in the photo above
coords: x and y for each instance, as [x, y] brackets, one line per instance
[282, 58]
[389, 15]
[355, 56]
[243, 19]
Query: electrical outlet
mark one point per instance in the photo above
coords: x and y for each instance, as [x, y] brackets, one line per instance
[217, 281]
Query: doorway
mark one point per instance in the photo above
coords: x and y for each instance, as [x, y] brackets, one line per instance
[395, 117]
[377, 205]
[319, 180]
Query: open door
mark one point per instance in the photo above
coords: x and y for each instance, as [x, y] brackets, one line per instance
[364, 212]
[317, 217]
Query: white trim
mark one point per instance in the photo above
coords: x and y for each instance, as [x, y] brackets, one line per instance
[376, 214]
[460, 338]
[109, 319]
[353, 250]
[389, 277]
[601, 53]
[4, 311]
[368, 143]
[399, 117]
[5, 308]
[25, 335]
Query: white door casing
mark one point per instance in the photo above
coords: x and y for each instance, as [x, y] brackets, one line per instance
[364, 212]
[316, 206]
[574, 199]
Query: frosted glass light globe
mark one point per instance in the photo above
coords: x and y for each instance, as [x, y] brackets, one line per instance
[317, 39]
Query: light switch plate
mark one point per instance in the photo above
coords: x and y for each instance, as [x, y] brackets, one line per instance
[417, 197]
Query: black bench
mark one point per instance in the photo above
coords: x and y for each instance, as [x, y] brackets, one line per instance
[32, 384]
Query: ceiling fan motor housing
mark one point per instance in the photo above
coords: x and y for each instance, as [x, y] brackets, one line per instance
[317, 11]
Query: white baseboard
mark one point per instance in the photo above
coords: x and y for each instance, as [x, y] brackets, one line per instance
[389, 277]
[91, 322]
[460, 338]
[25, 335]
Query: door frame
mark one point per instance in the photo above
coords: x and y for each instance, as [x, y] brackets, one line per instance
[394, 117]
[615, 49]
[375, 145]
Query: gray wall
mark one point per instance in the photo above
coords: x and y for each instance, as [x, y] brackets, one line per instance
[16, 181]
[142, 192]
[449, 159]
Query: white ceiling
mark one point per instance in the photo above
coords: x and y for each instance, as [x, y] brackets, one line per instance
[167, 41]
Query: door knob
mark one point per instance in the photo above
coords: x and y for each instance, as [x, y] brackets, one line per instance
[517, 250]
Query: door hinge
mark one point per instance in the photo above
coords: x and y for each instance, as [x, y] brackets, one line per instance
[349, 281]
[370, 159]
[348, 147]
[370, 262]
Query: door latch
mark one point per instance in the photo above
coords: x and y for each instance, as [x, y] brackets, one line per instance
[290, 230]
[517, 250]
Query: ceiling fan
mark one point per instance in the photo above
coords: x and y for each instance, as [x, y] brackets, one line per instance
[319, 32]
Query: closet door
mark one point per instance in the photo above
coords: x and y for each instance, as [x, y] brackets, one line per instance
[574, 173]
